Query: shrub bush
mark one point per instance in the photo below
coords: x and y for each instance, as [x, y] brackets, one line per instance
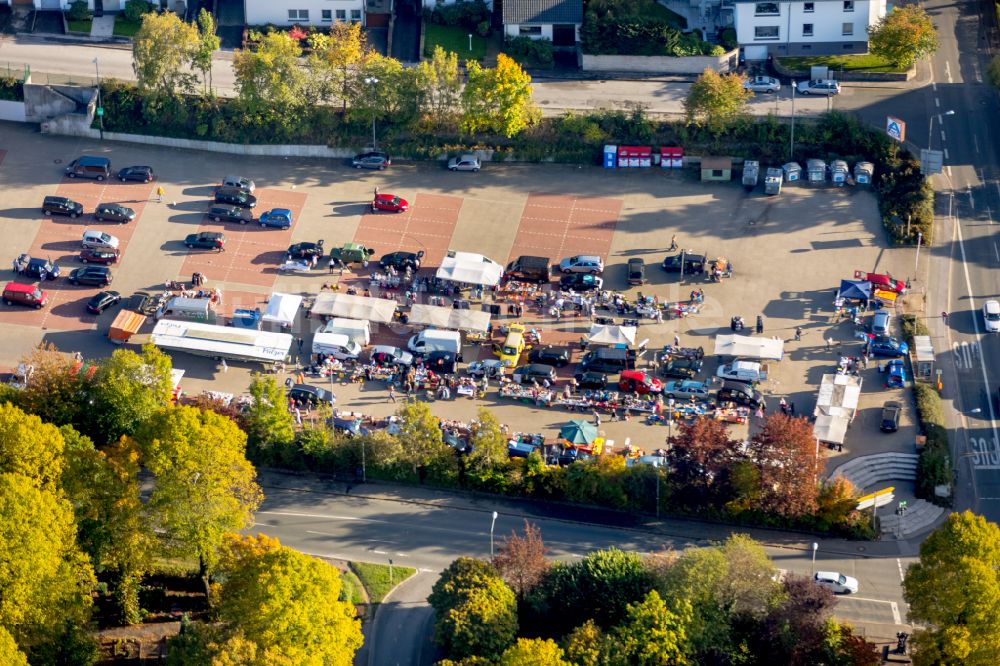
[135, 9]
[934, 468]
[78, 11]
[727, 38]
[11, 89]
[912, 326]
[469, 14]
[530, 52]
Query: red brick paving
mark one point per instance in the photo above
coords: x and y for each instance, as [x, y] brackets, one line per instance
[252, 254]
[557, 226]
[427, 226]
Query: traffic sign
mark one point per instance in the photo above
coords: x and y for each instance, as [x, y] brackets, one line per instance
[895, 128]
[931, 161]
[100, 111]
[878, 498]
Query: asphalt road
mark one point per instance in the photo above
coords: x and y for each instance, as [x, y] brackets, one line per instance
[427, 530]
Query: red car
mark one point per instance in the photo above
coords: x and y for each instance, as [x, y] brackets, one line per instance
[884, 281]
[640, 382]
[95, 256]
[389, 202]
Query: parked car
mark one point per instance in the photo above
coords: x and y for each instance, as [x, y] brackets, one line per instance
[112, 212]
[206, 240]
[991, 316]
[234, 196]
[464, 163]
[99, 276]
[103, 300]
[33, 267]
[390, 203]
[402, 260]
[762, 84]
[240, 183]
[491, 367]
[886, 281]
[441, 362]
[305, 250]
[61, 206]
[837, 582]
[740, 393]
[373, 159]
[142, 174]
[555, 356]
[685, 389]
[582, 264]
[883, 345]
[386, 355]
[276, 218]
[93, 238]
[591, 380]
[311, 394]
[881, 321]
[891, 412]
[534, 372]
[692, 263]
[636, 271]
[18, 293]
[227, 213]
[681, 368]
[99, 256]
[580, 282]
[639, 382]
[819, 87]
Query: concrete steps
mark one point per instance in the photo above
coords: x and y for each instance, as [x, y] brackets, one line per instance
[866, 471]
[919, 517]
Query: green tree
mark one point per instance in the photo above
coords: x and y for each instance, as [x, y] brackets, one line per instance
[335, 57]
[270, 80]
[652, 634]
[441, 84]
[267, 421]
[30, 448]
[10, 654]
[588, 645]
[384, 89]
[489, 445]
[162, 48]
[204, 486]
[461, 574]
[716, 100]
[954, 591]
[55, 391]
[125, 391]
[420, 432]
[483, 623]
[903, 36]
[533, 652]
[499, 99]
[208, 44]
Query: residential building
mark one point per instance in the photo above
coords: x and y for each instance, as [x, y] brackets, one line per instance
[555, 20]
[304, 12]
[799, 28]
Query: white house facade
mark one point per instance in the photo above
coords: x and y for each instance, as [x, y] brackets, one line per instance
[558, 21]
[798, 28]
[304, 12]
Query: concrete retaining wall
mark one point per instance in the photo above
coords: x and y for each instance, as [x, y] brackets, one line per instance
[847, 76]
[659, 64]
[12, 111]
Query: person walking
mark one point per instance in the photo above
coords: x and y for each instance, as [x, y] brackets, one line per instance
[829, 343]
[225, 367]
[677, 340]
[159, 194]
[798, 333]
[673, 243]
[597, 419]
[760, 324]
[392, 393]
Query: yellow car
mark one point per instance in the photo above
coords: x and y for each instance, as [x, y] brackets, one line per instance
[512, 348]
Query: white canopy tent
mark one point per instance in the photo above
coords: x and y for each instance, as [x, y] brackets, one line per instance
[831, 429]
[333, 304]
[470, 268]
[836, 405]
[436, 316]
[282, 308]
[604, 334]
[744, 346]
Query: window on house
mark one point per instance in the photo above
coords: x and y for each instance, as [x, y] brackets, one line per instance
[766, 9]
[847, 30]
[327, 15]
[807, 29]
[765, 32]
[355, 15]
[809, 7]
[529, 30]
[848, 5]
[341, 14]
[717, 173]
[806, 47]
[298, 14]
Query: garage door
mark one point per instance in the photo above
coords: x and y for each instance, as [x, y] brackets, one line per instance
[564, 35]
[755, 52]
[52, 5]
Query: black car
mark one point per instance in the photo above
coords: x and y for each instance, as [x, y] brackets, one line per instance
[402, 260]
[235, 197]
[636, 271]
[33, 267]
[549, 356]
[373, 159]
[99, 276]
[580, 282]
[142, 174]
[534, 372]
[61, 206]
[741, 394]
[441, 362]
[112, 212]
[891, 411]
[591, 380]
[681, 368]
[311, 394]
[230, 214]
[305, 250]
[206, 240]
[692, 263]
[103, 300]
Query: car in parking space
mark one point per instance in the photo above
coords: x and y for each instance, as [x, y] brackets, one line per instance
[205, 240]
[90, 255]
[61, 206]
[94, 238]
[142, 174]
[390, 203]
[373, 159]
[681, 368]
[240, 183]
[819, 87]
[836, 582]
[692, 263]
[740, 393]
[314, 395]
[386, 355]
[464, 163]
[580, 282]
[103, 300]
[583, 263]
[636, 271]
[402, 260]
[228, 213]
[98, 276]
[33, 267]
[892, 410]
[991, 316]
[685, 389]
[113, 212]
[555, 356]
[305, 250]
[762, 84]
[884, 345]
[639, 382]
[534, 372]
[880, 322]
[234, 196]
[491, 367]
[441, 362]
[591, 380]
[276, 218]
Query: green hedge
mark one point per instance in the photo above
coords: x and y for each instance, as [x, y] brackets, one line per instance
[11, 89]
[912, 325]
[935, 467]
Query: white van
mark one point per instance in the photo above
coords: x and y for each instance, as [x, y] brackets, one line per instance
[358, 330]
[197, 309]
[99, 240]
[337, 345]
[748, 372]
[433, 339]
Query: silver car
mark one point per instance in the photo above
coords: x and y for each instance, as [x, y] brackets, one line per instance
[762, 84]
[819, 87]
[464, 163]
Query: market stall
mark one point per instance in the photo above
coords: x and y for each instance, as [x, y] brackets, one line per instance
[335, 304]
[449, 318]
[469, 268]
[605, 334]
[836, 406]
[282, 308]
[744, 346]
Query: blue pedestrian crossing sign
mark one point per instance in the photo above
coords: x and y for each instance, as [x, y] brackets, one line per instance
[895, 128]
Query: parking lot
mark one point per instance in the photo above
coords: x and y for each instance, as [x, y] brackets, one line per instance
[789, 254]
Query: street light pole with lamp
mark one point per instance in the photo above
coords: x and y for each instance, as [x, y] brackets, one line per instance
[372, 81]
[100, 109]
[815, 547]
[492, 525]
[791, 149]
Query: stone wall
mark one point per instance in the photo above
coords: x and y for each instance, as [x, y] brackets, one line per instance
[659, 64]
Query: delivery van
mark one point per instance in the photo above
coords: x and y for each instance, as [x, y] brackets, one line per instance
[358, 330]
[196, 309]
[513, 346]
[87, 166]
[337, 345]
[529, 269]
[747, 372]
[433, 339]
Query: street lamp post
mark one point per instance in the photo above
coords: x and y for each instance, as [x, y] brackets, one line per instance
[372, 81]
[791, 148]
[492, 525]
[930, 125]
[100, 109]
[815, 548]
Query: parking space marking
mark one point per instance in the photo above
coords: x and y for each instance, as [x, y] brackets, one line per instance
[552, 223]
[428, 225]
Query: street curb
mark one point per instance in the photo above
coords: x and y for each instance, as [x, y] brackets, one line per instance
[374, 618]
[114, 42]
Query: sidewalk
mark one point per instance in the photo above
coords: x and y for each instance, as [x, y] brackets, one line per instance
[103, 27]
